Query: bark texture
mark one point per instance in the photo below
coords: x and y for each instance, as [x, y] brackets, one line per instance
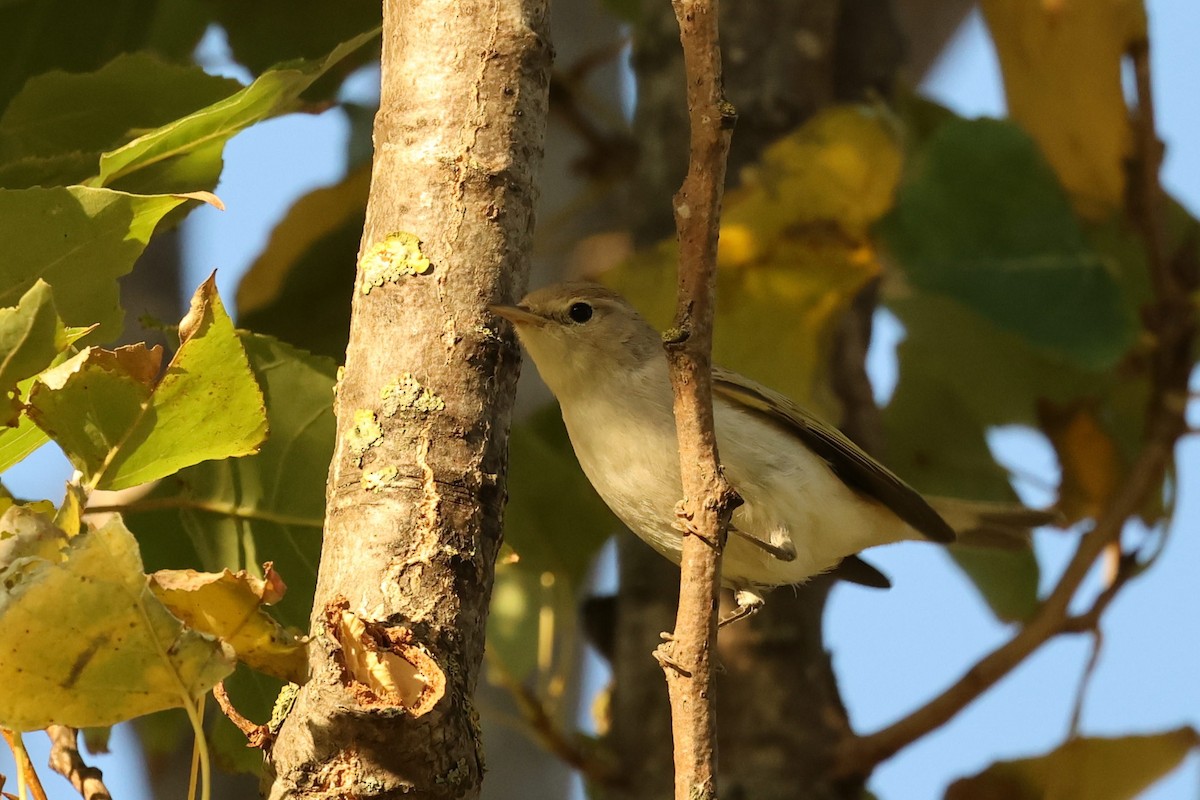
[779, 709]
[708, 500]
[416, 487]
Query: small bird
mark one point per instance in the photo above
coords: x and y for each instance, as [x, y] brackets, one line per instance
[812, 498]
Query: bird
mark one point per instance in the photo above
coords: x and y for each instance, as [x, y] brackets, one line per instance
[812, 499]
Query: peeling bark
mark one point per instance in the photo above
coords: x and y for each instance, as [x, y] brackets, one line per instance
[416, 486]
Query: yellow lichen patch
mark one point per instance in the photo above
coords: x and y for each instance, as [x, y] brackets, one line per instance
[365, 434]
[377, 479]
[382, 665]
[405, 391]
[387, 261]
[283, 706]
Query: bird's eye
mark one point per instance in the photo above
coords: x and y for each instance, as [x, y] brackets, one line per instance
[580, 312]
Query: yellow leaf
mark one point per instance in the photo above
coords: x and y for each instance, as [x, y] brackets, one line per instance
[1091, 768]
[794, 250]
[1061, 61]
[230, 606]
[1089, 459]
[83, 642]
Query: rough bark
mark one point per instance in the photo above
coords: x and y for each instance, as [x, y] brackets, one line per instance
[708, 499]
[779, 709]
[416, 486]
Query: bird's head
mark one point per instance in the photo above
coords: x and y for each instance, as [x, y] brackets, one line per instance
[581, 334]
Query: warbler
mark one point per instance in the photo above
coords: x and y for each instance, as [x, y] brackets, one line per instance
[812, 498]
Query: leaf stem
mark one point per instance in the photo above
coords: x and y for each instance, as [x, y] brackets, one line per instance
[26, 774]
[231, 510]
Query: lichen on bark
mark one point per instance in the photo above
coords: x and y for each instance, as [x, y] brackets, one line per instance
[457, 145]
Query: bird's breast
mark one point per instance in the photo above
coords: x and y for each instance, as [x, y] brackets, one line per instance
[632, 460]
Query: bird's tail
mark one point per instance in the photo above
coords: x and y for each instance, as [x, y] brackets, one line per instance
[1005, 526]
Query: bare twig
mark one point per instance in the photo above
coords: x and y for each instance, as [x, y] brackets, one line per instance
[859, 755]
[1145, 192]
[709, 500]
[259, 736]
[66, 761]
[1171, 324]
[1089, 621]
[24, 765]
[554, 739]
[861, 419]
[1085, 680]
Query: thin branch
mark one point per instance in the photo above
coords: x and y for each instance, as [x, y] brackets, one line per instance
[66, 761]
[24, 765]
[231, 510]
[709, 500]
[555, 740]
[1170, 321]
[258, 736]
[1089, 621]
[859, 755]
[861, 418]
[1145, 194]
[1085, 680]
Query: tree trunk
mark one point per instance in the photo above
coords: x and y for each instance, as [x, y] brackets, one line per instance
[416, 487]
[779, 709]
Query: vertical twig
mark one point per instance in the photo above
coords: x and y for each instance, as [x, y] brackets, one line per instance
[708, 498]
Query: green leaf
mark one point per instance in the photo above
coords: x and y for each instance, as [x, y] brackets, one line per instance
[269, 506]
[309, 263]
[107, 631]
[951, 363]
[237, 513]
[1006, 579]
[64, 121]
[31, 337]
[269, 31]
[274, 92]
[1086, 768]
[90, 403]
[121, 427]
[38, 36]
[980, 217]
[79, 241]
[969, 356]
[17, 443]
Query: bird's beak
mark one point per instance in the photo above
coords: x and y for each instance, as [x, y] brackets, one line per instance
[518, 315]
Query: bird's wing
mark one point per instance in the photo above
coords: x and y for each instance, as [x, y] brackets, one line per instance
[848, 461]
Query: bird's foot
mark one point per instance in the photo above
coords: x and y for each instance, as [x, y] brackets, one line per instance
[662, 654]
[748, 603]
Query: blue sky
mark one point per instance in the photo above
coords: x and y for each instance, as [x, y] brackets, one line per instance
[894, 651]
